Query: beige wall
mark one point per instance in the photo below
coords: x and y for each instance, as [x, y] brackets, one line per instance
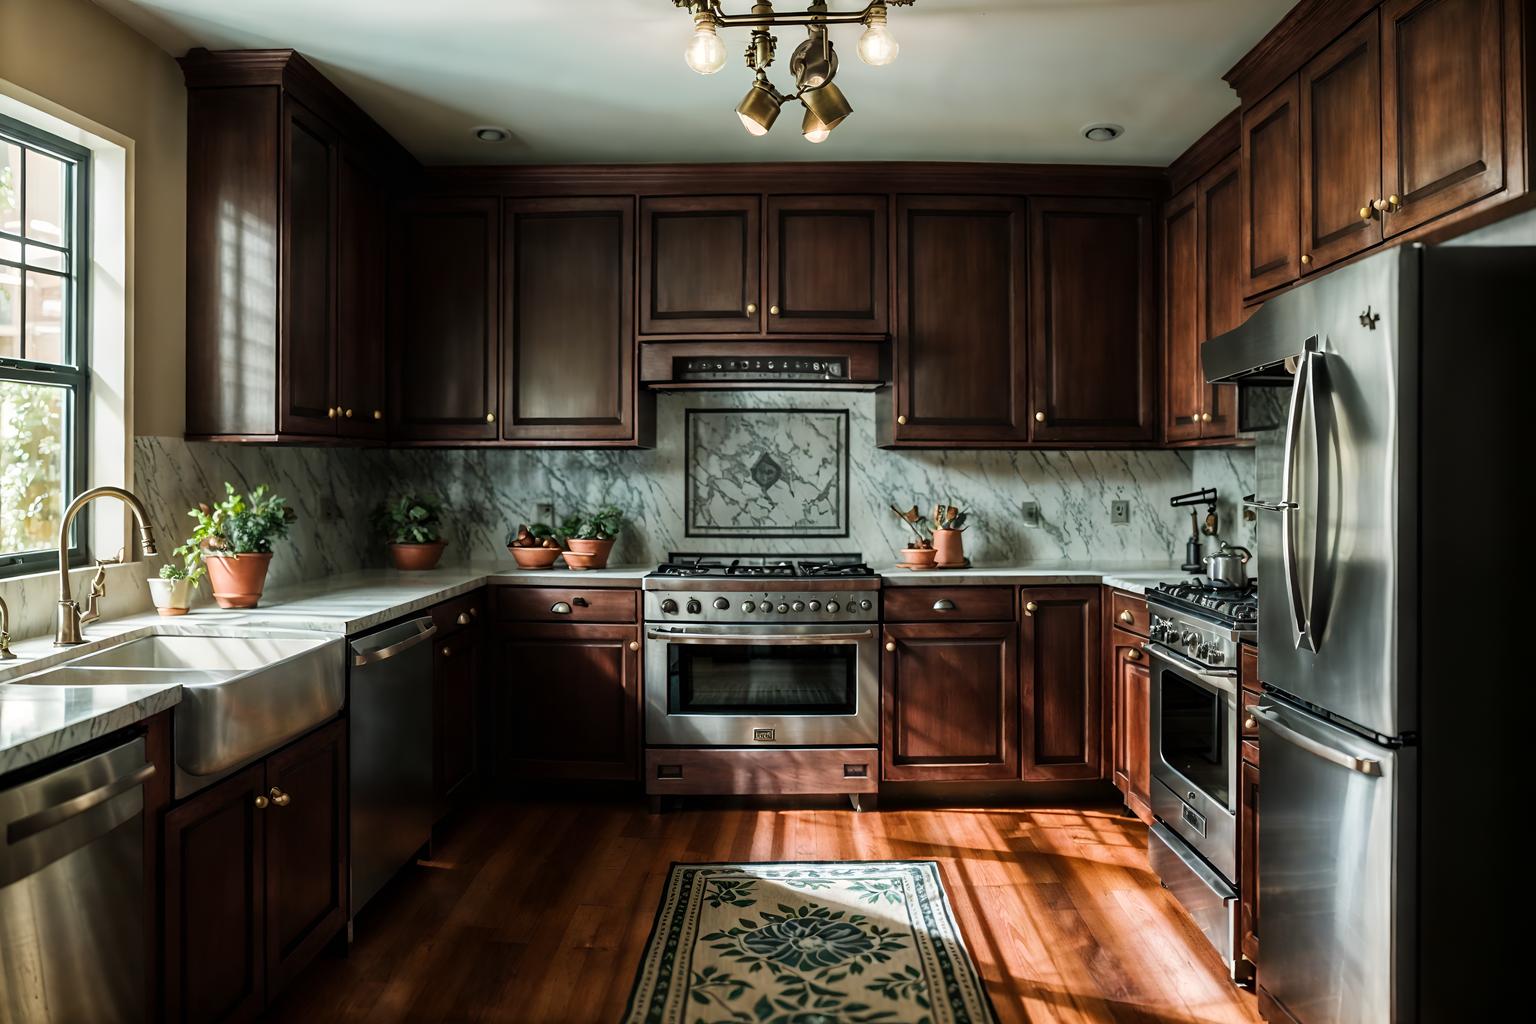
[76, 55]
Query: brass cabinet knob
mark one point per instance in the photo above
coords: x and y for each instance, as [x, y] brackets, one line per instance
[261, 802]
[1394, 202]
[1205, 417]
[1380, 205]
[1039, 417]
[890, 645]
[560, 608]
[1133, 655]
[751, 308]
[330, 413]
[463, 619]
[279, 798]
[1127, 618]
[348, 414]
[378, 414]
[1250, 723]
[634, 645]
[447, 652]
[490, 417]
[1305, 259]
[1030, 608]
[774, 310]
[1365, 212]
[902, 420]
[473, 612]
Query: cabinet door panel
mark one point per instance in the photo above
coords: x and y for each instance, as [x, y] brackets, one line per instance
[362, 220]
[457, 671]
[1183, 383]
[1059, 683]
[445, 347]
[949, 695]
[567, 701]
[826, 265]
[699, 265]
[1093, 334]
[570, 344]
[306, 901]
[1340, 92]
[1271, 191]
[1248, 860]
[1218, 195]
[307, 388]
[1130, 723]
[1443, 105]
[214, 902]
[961, 359]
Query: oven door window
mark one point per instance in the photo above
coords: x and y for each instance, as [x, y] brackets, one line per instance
[1194, 733]
[761, 679]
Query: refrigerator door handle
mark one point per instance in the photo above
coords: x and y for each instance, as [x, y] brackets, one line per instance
[1255, 502]
[1301, 391]
[1320, 401]
[1363, 765]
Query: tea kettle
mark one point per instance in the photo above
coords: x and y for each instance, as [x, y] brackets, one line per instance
[1229, 566]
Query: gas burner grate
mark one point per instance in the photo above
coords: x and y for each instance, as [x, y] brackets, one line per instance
[697, 567]
[736, 568]
[835, 569]
[1240, 604]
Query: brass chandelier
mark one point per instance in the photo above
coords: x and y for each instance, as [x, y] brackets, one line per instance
[813, 64]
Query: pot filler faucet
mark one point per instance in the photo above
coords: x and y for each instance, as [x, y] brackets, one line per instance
[71, 618]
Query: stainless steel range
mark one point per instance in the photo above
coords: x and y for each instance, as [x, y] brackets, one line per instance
[1193, 656]
[762, 653]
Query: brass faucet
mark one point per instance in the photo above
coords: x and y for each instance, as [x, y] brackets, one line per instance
[5, 633]
[70, 615]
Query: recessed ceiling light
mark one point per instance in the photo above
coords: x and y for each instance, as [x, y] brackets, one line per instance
[490, 133]
[1102, 132]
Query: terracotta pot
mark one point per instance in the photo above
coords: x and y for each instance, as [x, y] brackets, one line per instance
[593, 552]
[237, 580]
[416, 557]
[584, 560]
[171, 597]
[948, 549]
[534, 558]
[918, 558]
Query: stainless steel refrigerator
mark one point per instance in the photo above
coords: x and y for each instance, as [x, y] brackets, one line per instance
[1390, 580]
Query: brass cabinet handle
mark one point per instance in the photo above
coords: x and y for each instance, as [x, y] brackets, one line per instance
[1250, 724]
[773, 310]
[1030, 608]
[943, 604]
[902, 420]
[473, 612]
[1306, 259]
[463, 619]
[1127, 618]
[634, 645]
[261, 801]
[447, 652]
[1365, 213]
[1380, 205]
[330, 413]
[1394, 202]
[490, 417]
[890, 645]
[378, 414]
[348, 414]
[1205, 417]
[751, 308]
[280, 798]
[1039, 417]
[1133, 655]
[560, 608]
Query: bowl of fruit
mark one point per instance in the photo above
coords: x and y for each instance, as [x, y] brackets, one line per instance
[534, 547]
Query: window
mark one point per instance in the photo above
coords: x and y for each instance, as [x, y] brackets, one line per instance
[44, 183]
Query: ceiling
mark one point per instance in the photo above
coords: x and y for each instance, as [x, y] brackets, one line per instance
[603, 81]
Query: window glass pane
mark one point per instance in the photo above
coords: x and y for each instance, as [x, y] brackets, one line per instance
[10, 312]
[44, 339]
[44, 257]
[34, 437]
[10, 188]
[46, 198]
[10, 249]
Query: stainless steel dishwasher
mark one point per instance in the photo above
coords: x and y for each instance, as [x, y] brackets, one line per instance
[391, 753]
[72, 891]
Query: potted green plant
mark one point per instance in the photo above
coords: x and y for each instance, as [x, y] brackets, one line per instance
[948, 527]
[920, 554]
[234, 539]
[412, 528]
[589, 537]
[172, 589]
[534, 546]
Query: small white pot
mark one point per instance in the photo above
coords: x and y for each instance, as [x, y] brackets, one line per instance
[171, 597]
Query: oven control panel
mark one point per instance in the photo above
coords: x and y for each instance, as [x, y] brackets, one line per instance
[768, 606]
[1195, 640]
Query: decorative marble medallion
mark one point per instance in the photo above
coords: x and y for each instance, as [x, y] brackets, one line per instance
[766, 473]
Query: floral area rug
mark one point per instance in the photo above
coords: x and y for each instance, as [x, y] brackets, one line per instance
[847, 942]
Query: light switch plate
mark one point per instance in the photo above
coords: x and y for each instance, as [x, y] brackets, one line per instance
[1030, 511]
[1120, 512]
[544, 512]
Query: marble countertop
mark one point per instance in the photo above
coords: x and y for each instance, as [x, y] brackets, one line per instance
[1137, 579]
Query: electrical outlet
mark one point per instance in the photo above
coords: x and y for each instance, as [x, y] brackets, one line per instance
[1031, 513]
[1120, 512]
[544, 512]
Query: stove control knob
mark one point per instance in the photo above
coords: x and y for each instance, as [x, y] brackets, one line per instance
[694, 607]
[865, 604]
[798, 606]
[766, 607]
[1190, 638]
[749, 606]
[833, 606]
[783, 607]
[1216, 656]
[815, 606]
[669, 606]
[1203, 652]
[722, 604]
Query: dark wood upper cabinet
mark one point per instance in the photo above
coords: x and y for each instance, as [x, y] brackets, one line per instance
[700, 259]
[1443, 105]
[307, 387]
[827, 265]
[362, 218]
[1093, 330]
[960, 352]
[1271, 191]
[1218, 198]
[1060, 699]
[446, 338]
[1340, 94]
[950, 693]
[568, 357]
[1183, 284]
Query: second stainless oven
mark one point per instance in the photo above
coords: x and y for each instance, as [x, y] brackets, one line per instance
[752, 684]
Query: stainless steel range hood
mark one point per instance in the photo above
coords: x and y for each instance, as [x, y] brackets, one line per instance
[755, 364]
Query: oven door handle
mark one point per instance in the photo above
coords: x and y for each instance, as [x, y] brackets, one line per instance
[796, 639]
[1218, 679]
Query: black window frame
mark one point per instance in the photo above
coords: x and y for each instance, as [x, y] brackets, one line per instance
[73, 374]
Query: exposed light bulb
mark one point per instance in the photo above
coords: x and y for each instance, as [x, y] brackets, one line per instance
[819, 134]
[752, 126]
[705, 52]
[877, 47]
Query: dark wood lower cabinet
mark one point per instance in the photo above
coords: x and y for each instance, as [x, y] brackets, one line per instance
[950, 693]
[456, 682]
[255, 880]
[1059, 684]
[1248, 860]
[1130, 722]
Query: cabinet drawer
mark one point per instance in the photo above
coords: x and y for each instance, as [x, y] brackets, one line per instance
[1248, 668]
[456, 614]
[1251, 752]
[1250, 701]
[740, 772]
[564, 604]
[949, 604]
[1128, 612]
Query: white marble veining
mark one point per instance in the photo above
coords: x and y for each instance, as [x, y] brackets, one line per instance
[767, 472]
[37, 722]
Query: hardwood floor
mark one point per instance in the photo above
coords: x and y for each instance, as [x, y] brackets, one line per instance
[536, 913]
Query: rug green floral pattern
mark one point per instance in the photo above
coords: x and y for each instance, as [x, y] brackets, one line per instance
[853, 942]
